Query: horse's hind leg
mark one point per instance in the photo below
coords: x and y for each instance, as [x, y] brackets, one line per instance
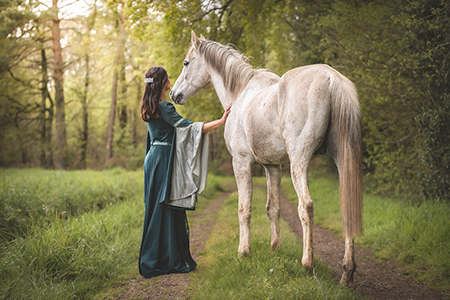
[299, 174]
[242, 171]
[273, 175]
[348, 264]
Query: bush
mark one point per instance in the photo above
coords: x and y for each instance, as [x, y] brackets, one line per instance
[435, 125]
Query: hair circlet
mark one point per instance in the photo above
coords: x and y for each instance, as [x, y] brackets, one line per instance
[148, 80]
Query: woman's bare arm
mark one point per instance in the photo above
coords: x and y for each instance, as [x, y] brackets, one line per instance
[216, 123]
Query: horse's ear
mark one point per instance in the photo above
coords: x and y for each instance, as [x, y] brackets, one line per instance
[202, 37]
[194, 39]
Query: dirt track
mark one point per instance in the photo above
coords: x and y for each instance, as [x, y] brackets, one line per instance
[380, 281]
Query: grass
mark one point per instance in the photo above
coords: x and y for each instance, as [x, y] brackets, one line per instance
[37, 196]
[75, 258]
[263, 274]
[418, 236]
[67, 235]
[87, 251]
[93, 246]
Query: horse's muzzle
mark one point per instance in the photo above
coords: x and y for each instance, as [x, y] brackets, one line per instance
[176, 98]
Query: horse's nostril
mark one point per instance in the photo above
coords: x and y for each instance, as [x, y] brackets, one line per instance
[178, 98]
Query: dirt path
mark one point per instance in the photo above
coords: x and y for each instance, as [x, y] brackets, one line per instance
[378, 281]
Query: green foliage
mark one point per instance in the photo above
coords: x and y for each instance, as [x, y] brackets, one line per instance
[396, 54]
[418, 236]
[435, 125]
[15, 16]
[264, 274]
[429, 21]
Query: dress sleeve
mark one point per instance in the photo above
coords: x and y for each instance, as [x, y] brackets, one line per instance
[170, 115]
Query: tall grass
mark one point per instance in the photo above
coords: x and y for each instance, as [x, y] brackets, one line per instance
[75, 258]
[263, 274]
[417, 235]
[31, 196]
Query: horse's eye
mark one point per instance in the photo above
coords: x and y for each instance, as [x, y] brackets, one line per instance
[185, 63]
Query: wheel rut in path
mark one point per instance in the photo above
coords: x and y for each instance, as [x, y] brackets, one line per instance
[377, 281]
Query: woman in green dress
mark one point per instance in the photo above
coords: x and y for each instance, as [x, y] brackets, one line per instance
[165, 240]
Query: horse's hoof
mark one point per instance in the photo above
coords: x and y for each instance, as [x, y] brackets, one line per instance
[276, 244]
[243, 253]
[309, 263]
[347, 279]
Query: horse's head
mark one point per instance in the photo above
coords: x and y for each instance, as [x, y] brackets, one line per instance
[194, 76]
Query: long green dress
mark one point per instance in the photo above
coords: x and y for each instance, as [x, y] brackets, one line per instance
[165, 239]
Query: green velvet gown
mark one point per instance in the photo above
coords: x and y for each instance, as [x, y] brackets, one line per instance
[165, 238]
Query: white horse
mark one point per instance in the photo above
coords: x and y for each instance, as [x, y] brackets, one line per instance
[275, 121]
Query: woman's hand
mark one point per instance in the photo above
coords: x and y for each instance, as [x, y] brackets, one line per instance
[214, 124]
[225, 115]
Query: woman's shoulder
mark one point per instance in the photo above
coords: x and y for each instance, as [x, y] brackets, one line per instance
[166, 105]
[166, 108]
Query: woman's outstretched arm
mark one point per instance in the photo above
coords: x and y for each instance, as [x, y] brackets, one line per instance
[216, 123]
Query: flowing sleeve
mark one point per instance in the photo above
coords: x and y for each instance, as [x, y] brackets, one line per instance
[170, 115]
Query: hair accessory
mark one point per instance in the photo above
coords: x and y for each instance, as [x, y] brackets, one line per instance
[148, 80]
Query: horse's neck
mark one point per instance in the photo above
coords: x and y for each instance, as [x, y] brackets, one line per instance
[225, 96]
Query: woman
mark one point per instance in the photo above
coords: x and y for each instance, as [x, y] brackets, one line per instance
[165, 240]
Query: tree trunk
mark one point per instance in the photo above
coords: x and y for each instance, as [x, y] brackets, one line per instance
[44, 96]
[84, 97]
[136, 115]
[85, 115]
[49, 126]
[46, 153]
[58, 76]
[112, 112]
[123, 115]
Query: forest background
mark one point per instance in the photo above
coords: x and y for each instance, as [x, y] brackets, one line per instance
[71, 81]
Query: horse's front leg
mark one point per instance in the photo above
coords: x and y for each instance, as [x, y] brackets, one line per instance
[273, 175]
[242, 171]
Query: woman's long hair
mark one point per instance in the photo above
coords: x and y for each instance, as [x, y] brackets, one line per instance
[155, 79]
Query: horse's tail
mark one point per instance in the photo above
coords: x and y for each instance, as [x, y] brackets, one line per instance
[346, 128]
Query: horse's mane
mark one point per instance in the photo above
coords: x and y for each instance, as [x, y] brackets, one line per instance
[229, 63]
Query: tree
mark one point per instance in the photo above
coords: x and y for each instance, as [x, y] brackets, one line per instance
[116, 65]
[46, 153]
[58, 78]
[19, 45]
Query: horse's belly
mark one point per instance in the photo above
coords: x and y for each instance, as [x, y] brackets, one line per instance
[267, 146]
[272, 157]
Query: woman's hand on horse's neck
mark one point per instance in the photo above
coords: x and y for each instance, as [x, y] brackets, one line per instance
[216, 123]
